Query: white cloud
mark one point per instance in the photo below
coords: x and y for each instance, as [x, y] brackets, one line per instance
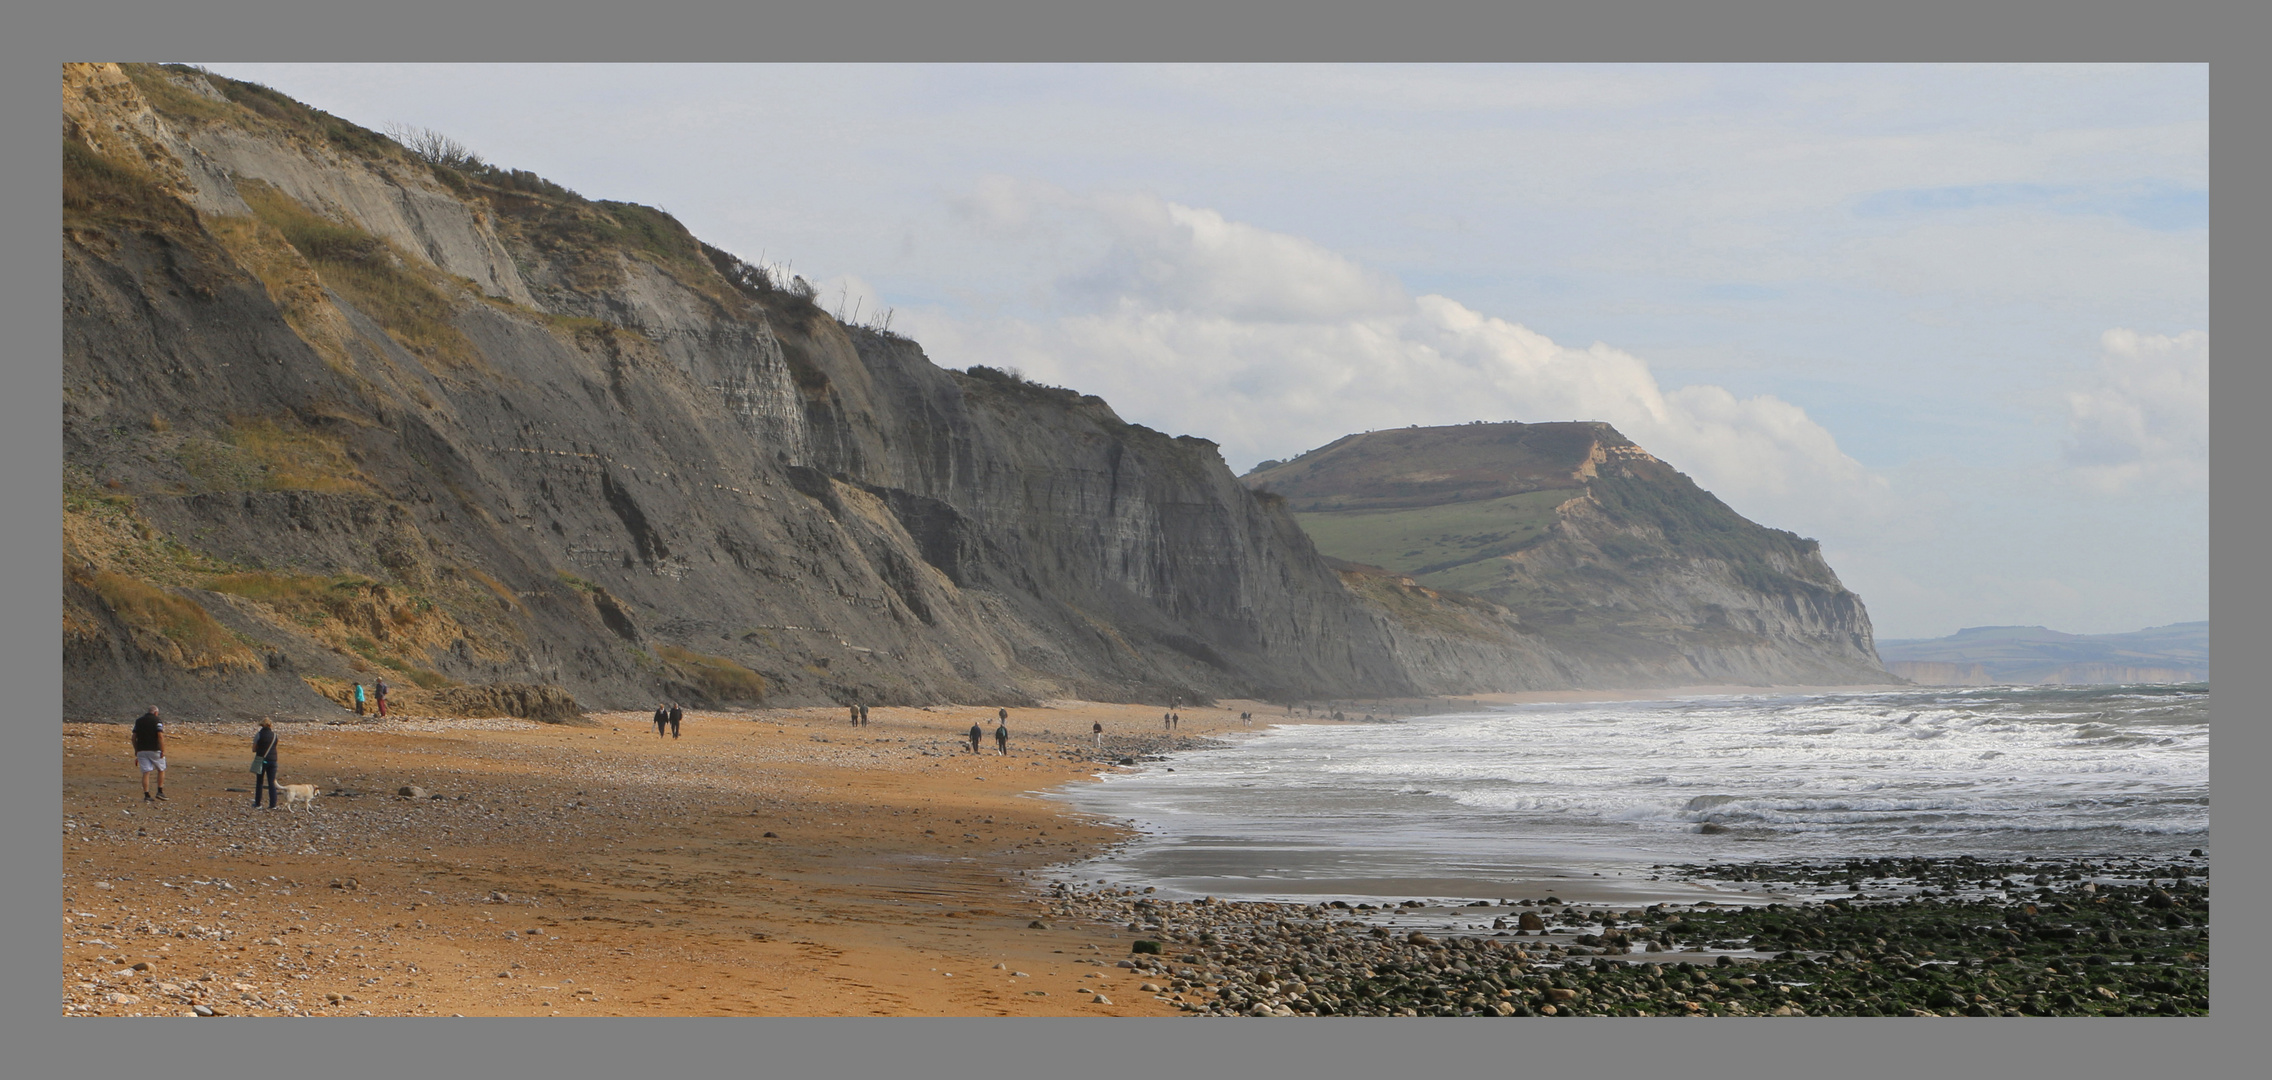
[2142, 417]
[1271, 344]
[1191, 260]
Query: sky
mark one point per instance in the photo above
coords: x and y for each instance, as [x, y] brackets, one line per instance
[1952, 321]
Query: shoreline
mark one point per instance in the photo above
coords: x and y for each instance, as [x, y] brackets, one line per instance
[1600, 882]
[1579, 697]
[770, 862]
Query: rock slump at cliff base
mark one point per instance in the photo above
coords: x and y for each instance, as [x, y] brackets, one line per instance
[333, 412]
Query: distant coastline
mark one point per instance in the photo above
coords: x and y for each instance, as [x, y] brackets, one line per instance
[2036, 656]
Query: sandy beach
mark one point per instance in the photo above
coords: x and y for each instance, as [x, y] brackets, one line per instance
[769, 862]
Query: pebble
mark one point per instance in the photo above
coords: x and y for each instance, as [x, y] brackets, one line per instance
[1953, 952]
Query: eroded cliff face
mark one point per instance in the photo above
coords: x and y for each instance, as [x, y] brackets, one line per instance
[333, 413]
[1611, 568]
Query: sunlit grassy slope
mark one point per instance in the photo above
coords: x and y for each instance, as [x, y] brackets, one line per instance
[1433, 540]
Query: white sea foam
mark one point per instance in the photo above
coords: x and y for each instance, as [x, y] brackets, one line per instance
[2003, 772]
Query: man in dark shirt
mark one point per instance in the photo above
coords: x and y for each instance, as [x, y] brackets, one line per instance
[977, 733]
[1002, 737]
[150, 750]
[677, 714]
[662, 718]
[379, 691]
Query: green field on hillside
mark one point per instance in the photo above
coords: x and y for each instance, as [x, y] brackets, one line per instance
[1437, 537]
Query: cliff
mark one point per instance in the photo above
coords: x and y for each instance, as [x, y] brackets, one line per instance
[334, 411]
[1611, 567]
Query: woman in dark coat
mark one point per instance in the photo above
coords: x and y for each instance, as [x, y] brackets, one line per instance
[264, 748]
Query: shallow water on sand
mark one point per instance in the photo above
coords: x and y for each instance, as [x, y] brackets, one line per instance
[1481, 803]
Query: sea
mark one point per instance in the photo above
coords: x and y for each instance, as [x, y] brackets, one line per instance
[1492, 802]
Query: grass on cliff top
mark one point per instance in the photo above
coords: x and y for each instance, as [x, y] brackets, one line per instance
[162, 85]
[254, 107]
[1407, 468]
[1435, 538]
[584, 237]
[370, 274]
[581, 236]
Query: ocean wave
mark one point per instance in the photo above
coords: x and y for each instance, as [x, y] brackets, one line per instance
[1917, 771]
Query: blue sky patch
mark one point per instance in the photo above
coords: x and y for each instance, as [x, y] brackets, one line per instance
[2159, 206]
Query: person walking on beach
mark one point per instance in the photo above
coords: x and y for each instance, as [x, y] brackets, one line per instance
[1167, 720]
[677, 714]
[863, 716]
[854, 710]
[379, 691]
[264, 762]
[358, 699]
[662, 718]
[1002, 736]
[150, 751]
[976, 733]
[1097, 729]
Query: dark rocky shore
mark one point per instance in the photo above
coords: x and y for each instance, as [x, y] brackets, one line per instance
[1906, 937]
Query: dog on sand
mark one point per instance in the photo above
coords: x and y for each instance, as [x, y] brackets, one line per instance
[294, 793]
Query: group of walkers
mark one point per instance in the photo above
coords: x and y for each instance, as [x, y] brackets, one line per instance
[149, 738]
[378, 697]
[1001, 733]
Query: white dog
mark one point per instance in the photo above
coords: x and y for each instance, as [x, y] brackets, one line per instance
[294, 793]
